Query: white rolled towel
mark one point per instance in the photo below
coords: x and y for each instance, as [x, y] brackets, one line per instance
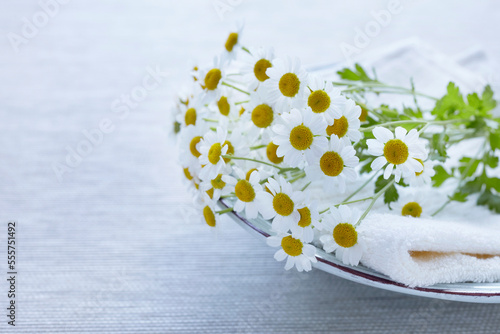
[421, 252]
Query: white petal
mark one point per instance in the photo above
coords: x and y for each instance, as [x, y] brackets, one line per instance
[378, 163]
[382, 134]
[280, 255]
[289, 263]
[388, 171]
[400, 133]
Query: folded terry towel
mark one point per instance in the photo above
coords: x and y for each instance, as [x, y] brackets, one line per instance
[420, 252]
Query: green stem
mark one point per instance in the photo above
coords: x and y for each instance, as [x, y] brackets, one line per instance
[300, 176]
[441, 208]
[355, 201]
[414, 122]
[305, 187]
[249, 159]
[257, 147]
[375, 198]
[234, 87]
[241, 102]
[403, 90]
[360, 188]
[246, 50]
[224, 211]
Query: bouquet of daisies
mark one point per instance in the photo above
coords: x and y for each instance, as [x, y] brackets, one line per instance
[273, 141]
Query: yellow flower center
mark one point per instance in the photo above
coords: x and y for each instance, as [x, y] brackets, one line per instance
[217, 183]
[212, 79]
[395, 151]
[292, 246]
[319, 101]
[262, 116]
[210, 193]
[260, 69]
[420, 173]
[331, 163]
[412, 209]
[339, 127]
[249, 173]
[271, 153]
[190, 117]
[289, 84]
[214, 153]
[244, 191]
[301, 137]
[230, 150]
[242, 110]
[345, 235]
[192, 146]
[364, 115]
[209, 216]
[223, 106]
[305, 217]
[231, 41]
[283, 204]
[187, 174]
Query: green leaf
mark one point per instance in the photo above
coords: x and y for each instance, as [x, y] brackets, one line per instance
[490, 160]
[495, 140]
[449, 104]
[391, 194]
[366, 168]
[440, 176]
[438, 146]
[468, 166]
[413, 114]
[459, 197]
[489, 200]
[492, 183]
[473, 186]
[358, 74]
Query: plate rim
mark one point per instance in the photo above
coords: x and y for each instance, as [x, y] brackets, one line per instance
[462, 292]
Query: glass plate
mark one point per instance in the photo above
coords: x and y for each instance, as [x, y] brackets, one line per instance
[463, 292]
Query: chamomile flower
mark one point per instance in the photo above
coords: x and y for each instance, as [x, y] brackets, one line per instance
[341, 236]
[281, 204]
[286, 84]
[212, 148]
[324, 99]
[415, 204]
[400, 152]
[233, 45]
[296, 251]
[248, 192]
[189, 147]
[223, 108]
[255, 65]
[260, 117]
[216, 187]
[191, 112]
[208, 213]
[335, 166]
[211, 80]
[309, 218]
[423, 177]
[348, 123]
[272, 153]
[300, 137]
